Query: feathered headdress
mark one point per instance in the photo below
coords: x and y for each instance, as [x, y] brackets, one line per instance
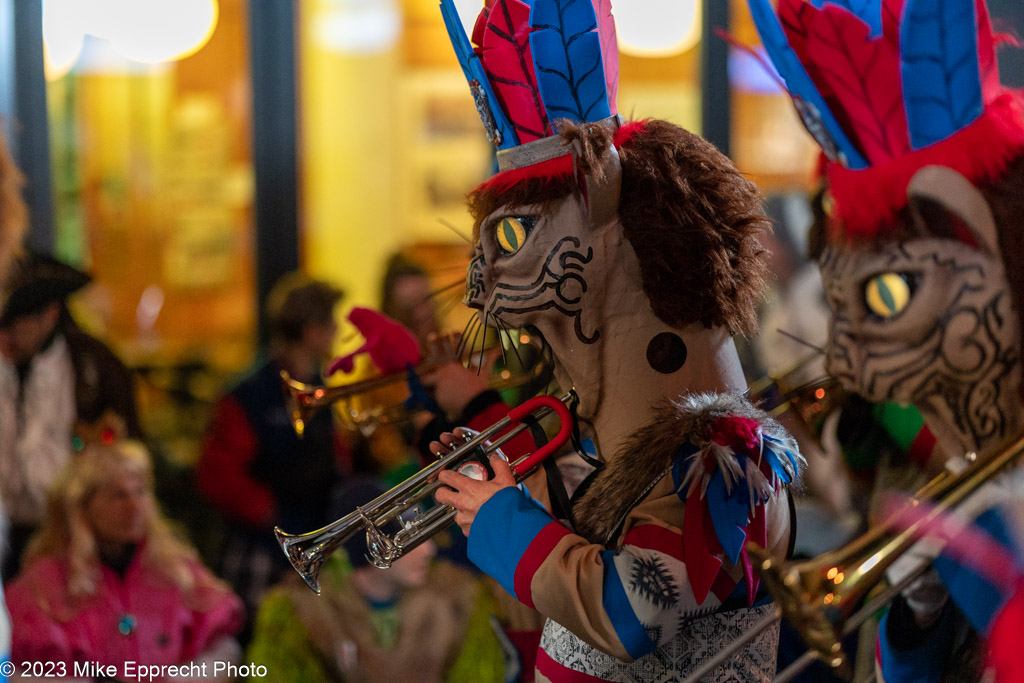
[887, 87]
[532, 62]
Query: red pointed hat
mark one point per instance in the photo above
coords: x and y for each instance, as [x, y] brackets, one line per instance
[888, 87]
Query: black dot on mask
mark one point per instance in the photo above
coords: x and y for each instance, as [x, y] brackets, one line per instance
[666, 353]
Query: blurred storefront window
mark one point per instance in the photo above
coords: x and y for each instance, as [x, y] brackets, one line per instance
[150, 125]
[153, 175]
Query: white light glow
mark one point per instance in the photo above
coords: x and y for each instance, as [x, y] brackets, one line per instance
[153, 31]
[147, 31]
[63, 36]
[361, 26]
[657, 28]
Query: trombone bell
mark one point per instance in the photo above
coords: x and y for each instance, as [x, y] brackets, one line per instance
[819, 596]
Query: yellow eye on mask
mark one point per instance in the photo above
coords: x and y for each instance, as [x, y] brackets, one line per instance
[511, 233]
[887, 295]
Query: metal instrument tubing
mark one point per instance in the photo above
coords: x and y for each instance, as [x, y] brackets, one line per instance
[853, 623]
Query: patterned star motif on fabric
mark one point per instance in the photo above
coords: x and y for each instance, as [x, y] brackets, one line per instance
[652, 579]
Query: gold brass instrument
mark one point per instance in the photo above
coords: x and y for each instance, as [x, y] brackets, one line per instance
[307, 552]
[363, 411]
[820, 597]
[810, 401]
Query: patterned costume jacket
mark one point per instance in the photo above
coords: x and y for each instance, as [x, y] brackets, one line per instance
[655, 579]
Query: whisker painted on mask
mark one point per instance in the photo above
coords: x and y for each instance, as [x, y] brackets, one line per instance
[463, 337]
[464, 237]
[447, 288]
[798, 340]
[483, 343]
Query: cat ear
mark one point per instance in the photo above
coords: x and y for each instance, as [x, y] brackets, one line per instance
[944, 203]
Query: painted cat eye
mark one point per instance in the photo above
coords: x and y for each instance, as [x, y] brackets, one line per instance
[511, 232]
[888, 294]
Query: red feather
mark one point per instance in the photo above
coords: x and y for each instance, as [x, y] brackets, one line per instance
[794, 16]
[987, 63]
[702, 564]
[609, 49]
[860, 79]
[481, 24]
[508, 60]
[892, 12]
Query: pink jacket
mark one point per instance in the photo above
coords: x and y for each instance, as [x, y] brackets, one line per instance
[166, 626]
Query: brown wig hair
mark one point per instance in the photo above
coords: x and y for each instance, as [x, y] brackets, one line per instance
[694, 222]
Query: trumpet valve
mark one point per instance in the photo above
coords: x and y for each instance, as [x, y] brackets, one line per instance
[382, 550]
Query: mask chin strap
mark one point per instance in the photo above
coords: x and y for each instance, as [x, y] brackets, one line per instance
[577, 443]
[561, 505]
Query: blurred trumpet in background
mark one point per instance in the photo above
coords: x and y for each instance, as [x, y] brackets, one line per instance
[367, 404]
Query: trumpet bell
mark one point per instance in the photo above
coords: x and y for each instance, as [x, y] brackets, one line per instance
[307, 552]
[368, 404]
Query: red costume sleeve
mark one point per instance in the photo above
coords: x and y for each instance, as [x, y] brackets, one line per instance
[223, 471]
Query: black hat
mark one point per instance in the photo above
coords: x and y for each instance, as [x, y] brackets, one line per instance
[34, 282]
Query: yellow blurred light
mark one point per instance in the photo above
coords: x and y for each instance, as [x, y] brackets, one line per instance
[657, 28]
[154, 31]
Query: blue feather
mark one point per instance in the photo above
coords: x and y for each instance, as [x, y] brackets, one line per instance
[941, 75]
[474, 71]
[680, 466]
[773, 460]
[778, 448]
[799, 83]
[567, 55]
[728, 516]
[869, 11]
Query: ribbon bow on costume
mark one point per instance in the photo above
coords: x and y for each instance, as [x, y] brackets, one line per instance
[725, 477]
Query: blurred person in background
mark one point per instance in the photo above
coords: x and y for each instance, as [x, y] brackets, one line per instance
[56, 381]
[406, 297]
[106, 582]
[422, 620]
[253, 467]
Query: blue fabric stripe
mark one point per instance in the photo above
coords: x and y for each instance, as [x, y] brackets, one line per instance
[627, 627]
[977, 598]
[503, 529]
[923, 664]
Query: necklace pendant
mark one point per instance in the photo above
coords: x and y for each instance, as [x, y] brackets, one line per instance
[126, 624]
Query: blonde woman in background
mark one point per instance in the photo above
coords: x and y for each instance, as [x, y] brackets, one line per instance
[106, 582]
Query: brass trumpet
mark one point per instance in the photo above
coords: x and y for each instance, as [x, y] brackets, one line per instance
[820, 597]
[307, 552]
[305, 400]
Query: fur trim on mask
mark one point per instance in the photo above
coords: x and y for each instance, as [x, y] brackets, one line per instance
[652, 450]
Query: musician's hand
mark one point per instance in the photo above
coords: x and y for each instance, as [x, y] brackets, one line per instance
[454, 386]
[464, 494]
